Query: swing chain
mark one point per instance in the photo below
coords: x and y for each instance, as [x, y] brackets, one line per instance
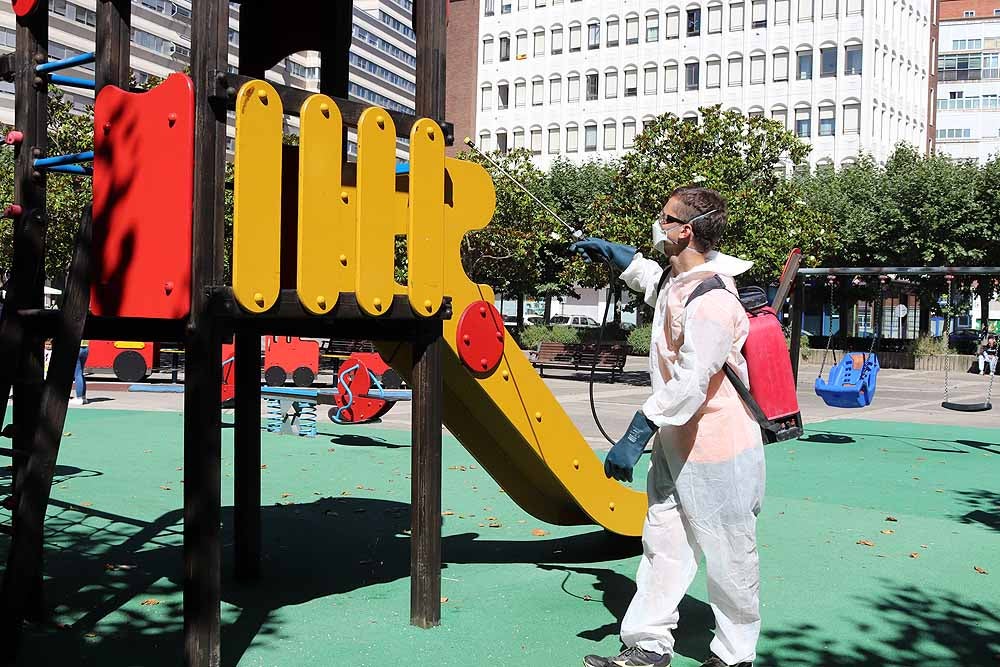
[831, 281]
[877, 314]
[951, 291]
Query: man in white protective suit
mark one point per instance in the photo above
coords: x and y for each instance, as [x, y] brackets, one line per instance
[706, 476]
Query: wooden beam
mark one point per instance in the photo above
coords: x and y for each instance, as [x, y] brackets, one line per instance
[335, 73]
[430, 19]
[246, 475]
[425, 473]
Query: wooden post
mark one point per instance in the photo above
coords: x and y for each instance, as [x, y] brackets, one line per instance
[430, 23]
[425, 469]
[796, 315]
[114, 21]
[203, 355]
[335, 72]
[246, 475]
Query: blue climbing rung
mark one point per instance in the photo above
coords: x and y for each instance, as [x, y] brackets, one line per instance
[60, 160]
[66, 63]
[72, 81]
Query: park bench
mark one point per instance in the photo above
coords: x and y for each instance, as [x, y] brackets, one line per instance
[610, 358]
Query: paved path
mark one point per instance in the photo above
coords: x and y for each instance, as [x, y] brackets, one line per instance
[905, 396]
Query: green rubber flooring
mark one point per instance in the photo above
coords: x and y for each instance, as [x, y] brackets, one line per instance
[336, 587]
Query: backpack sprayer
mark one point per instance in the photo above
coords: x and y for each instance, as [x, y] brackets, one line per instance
[576, 234]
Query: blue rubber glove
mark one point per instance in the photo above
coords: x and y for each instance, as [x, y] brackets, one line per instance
[592, 249]
[626, 452]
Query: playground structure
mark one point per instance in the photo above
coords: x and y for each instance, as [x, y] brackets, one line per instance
[150, 257]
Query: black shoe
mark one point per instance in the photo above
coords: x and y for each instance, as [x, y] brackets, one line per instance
[716, 661]
[630, 657]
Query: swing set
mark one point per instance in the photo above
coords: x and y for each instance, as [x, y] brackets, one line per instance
[851, 382]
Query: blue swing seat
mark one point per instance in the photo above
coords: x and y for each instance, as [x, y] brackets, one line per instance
[844, 388]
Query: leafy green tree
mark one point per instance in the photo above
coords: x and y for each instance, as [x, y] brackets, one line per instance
[988, 199]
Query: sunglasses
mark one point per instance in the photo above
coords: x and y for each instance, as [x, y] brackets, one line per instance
[666, 218]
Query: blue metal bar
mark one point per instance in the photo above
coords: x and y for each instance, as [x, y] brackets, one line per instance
[59, 160]
[66, 63]
[72, 81]
[76, 169]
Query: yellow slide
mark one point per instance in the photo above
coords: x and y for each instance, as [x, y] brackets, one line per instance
[509, 420]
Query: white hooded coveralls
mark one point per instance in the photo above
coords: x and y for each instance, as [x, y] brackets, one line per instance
[706, 477]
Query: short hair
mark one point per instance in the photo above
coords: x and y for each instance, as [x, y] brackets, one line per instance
[697, 202]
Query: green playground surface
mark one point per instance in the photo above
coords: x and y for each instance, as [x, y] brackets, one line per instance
[335, 589]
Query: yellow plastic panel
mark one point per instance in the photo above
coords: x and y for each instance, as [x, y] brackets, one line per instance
[257, 195]
[376, 223]
[425, 235]
[327, 226]
[510, 421]
[129, 345]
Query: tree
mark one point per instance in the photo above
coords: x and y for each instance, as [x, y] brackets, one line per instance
[988, 198]
[66, 195]
[737, 155]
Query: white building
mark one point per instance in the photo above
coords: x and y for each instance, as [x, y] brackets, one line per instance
[383, 52]
[968, 92]
[580, 77]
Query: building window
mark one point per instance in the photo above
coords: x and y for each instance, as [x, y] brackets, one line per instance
[518, 138]
[805, 65]
[852, 59]
[557, 39]
[612, 32]
[780, 12]
[693, 22]
[590, 137]
[991, 65]
[652, 27]
[691, 75]
[536, 141]
[631, 82]
[520, 93]
[632, 30]
[553, 140]
[736, 71]
[780, 116]
[539, 43]
[539, 3]
[852, 118]
[505, 6]
[502, 142]
[855, 6]
[488, 7]
[522, 4]
[758, 17]
[628, 134]
[649, 80]
[611, 84]
[574, 38]
[780, 66]
[829, 8]
[736, 18]
[504, 49]
[828, 61]
[610, 135]
[757, 68]
[715, 19]
[555, 90]
[573, 88]
[803, 122]
[805, 10]
[572, 138]
[487, 50]
[484, 141]
[503, 95]
[522, 46]
[593, 35]
[486, 102]
[673, 25]
[537, 92]
[968, 14]
[827, 121]
[713, 73]
[591, 87]
[670, 78]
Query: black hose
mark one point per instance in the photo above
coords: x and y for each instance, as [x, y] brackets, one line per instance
[600, 339]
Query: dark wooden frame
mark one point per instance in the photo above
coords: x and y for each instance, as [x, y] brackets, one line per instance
[213, 318]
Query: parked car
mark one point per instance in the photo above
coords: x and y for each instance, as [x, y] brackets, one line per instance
[965, 341]
[534, 321]
[578, 321]
[510, 321]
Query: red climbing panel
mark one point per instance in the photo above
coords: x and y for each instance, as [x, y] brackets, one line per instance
[480, 334]
[143, 201]
[24, 7]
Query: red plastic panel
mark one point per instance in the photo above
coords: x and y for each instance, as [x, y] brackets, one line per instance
[143, 201]
[480, 336]
[361, 409]
[771, 381]
[102, 353]
[24, 7]
[228, 372]
[290, 353]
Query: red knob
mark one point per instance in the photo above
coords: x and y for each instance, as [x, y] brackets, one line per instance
[13, 211]
[172, 117]
[107, 128]
[14, 138]
[168, 287]
[484, 363]
[467, 339]
[500, 335]
[482, 310]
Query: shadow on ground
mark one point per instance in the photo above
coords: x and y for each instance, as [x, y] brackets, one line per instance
[985, 509]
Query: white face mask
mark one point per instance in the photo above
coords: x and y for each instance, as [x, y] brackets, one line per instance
[660, 239]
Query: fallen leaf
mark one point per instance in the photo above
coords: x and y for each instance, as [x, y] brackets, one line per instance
[443, 599]
[979, 570]
[264, 467]
[345, 493]
[286, 495]
[887, 531]
[150, 602]
[938, 490]
[916, 478]
[87, 504]
[538, 532]
[165, 488]
[360, 486]
[914, 555]
[891, 518]
[587, 598]
[68, 434]
[90, 634]
[496, 524]
[447, 513]
[491, 518]
[923, 546]
[867, 543]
